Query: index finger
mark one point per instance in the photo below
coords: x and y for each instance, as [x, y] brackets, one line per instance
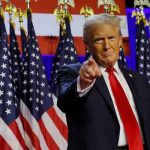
[91, 62]
[94, 65]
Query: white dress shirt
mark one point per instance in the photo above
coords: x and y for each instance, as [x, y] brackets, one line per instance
[122, 81]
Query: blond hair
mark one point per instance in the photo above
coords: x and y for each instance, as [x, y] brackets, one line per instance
[100, 19]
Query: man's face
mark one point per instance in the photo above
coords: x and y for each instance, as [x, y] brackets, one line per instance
[104, 42]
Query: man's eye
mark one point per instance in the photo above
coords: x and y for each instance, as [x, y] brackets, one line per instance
[98, 40]
[111, 38]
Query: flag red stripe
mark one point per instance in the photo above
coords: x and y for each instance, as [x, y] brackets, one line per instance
[4, 144]
[48, 45]
[14, 127]
[58, 122]
[49, 140]
[31, 134]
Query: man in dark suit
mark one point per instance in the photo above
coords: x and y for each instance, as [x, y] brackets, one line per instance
[86, 95]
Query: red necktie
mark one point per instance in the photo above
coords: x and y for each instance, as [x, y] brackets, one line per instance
[130, 124]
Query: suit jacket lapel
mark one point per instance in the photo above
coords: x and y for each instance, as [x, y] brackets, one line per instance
[131, 82]
[103, 89]
[129, 79]
[135, 92]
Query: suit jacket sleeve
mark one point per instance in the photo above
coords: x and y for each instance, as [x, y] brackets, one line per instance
[68, 98]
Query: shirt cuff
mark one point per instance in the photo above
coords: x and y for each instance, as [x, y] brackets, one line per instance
[83, 91]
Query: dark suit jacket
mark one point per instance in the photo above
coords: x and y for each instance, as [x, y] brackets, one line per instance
[92, 120]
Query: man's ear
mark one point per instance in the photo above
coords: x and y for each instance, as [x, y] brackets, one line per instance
[87, 48]
[85, 42]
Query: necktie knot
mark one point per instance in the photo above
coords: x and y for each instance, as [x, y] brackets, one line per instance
[110, 69]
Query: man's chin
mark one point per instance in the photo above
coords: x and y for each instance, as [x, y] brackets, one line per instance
[107, 63]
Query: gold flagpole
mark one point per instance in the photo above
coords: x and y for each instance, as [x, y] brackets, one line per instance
[86, 11]
[28, 3]
[109, 6]
[20, 13]
[62, 11]
[11, 9]
[0, 7]
[139, 12]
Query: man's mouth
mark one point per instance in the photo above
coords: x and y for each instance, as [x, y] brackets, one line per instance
[107, 54]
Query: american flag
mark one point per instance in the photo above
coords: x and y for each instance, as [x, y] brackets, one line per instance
[11, 130]
[36, 106]
[15, 60]
[143, 51]
[65, 54]
[23, 42]
[122, 59]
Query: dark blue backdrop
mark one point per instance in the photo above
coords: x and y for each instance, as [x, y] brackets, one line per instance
[131, 59]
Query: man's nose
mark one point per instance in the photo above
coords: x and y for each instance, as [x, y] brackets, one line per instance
[106, 44]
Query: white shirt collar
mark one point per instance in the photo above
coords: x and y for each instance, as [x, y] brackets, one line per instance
[116, 67]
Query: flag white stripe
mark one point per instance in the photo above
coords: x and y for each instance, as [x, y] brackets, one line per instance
[24, 135]
[9, 136]
[33, 124]
[54, 132]
[46, 25]
[28, 142]
[60, 114]
[19, 123]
